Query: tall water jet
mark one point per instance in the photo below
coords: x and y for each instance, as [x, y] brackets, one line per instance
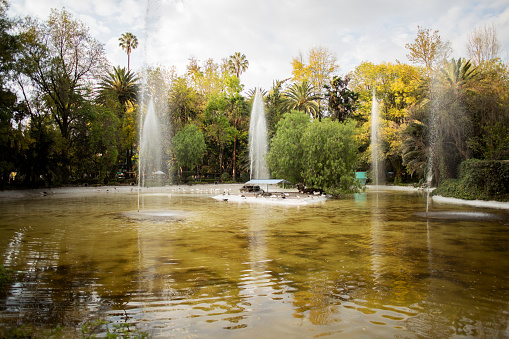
[151, 149]
[377, 168]
[432, 136]
[258, 139]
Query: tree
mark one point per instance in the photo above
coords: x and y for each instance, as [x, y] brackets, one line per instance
[212, 79]
[104, 143]
[62, 61]
[451, 122]
[301, 97]
[194, 70]
[274, 102]
[238, 64]
[185, 104]
[483, 44]
[330, 156]
[10, 111]
[398, 88]
[488, 106]
[286, 152]
[428, 48]
[237, 112]
[415, 148]
[41, 160]
[120, 84]
[318, 69]
[218, 130]
[341, 100]
[189, 146]
[128, 42]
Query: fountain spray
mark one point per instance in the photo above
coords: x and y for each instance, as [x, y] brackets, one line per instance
[374, 138]
[258, 138]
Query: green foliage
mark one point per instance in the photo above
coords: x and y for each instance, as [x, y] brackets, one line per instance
[11, 113]
[488, 107]
[238, 64]
[301, 97]
[317, 69]
[397, 90]
[104, 142]
[493, 141]
[319, 154]
[341, 100]
[185, 103]
[56, 123]
[479, 180]
[286, 153]
[128, 42]
[223, 121]
[41, 156]
[330, 156]
[415, 148]
[90, 329]
[274, 106]
[189, 146]
[212, 79]
[225, 177]
[121, 84]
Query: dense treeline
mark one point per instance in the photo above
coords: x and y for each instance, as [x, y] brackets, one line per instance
[68, 116]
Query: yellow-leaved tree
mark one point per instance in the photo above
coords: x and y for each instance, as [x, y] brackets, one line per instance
[317, 69]
[397, 89]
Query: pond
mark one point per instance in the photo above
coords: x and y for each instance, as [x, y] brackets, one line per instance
[369, 265]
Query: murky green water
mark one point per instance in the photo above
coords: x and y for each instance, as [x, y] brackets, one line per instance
[362, 267]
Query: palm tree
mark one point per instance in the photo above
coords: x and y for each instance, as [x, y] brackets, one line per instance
[120, 84]
[453, 118]
[252, 91]
[457, 73]
[416, 148]
[301, 97]
[237, 64]
[128, 41]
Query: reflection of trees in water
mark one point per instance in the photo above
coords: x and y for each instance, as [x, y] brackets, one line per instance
[262, 265]
[394, 274]
[63, 282]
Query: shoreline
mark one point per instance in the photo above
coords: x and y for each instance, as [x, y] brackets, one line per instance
[446, 200]
[216, 189]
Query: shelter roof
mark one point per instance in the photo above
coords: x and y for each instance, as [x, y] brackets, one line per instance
[267, 181]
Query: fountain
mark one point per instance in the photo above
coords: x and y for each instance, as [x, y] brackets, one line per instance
[258, 139]
[151, 160]
[152, 168]
[437, 155]
[435, 106]
[377, 167]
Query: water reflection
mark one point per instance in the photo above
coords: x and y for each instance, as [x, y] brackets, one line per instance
[364, 266]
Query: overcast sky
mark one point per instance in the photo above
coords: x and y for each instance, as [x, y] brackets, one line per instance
[271, 32]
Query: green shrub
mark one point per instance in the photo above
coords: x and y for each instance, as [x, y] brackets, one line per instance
[225, 176]
[244, 177]
[479, 180]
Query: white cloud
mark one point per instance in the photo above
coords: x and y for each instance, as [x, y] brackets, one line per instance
[269, 32]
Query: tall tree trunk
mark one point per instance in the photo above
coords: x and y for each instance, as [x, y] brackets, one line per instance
[234, 174]
[234, 165]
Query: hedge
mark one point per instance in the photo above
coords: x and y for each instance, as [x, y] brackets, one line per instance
[478, 180]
